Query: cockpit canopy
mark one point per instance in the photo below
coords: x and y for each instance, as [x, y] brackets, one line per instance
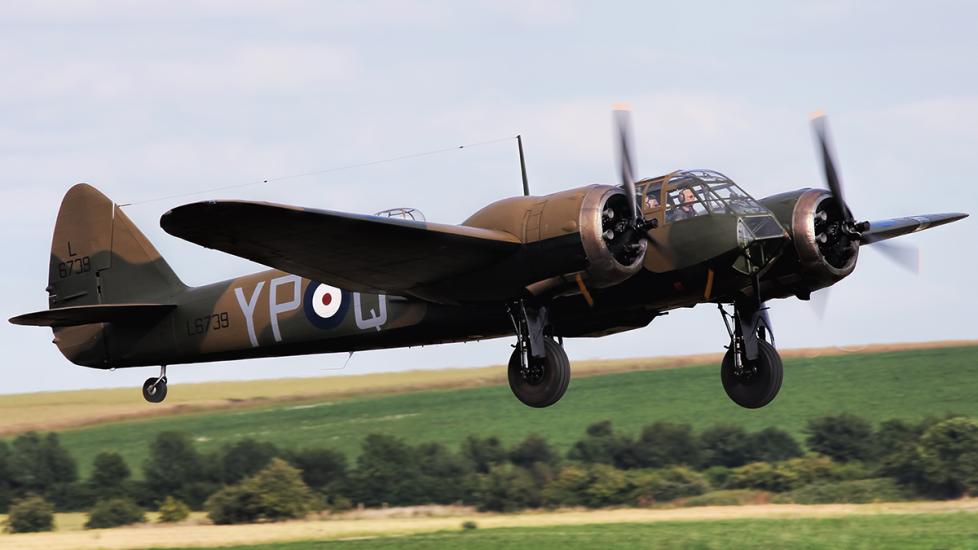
[690, 193]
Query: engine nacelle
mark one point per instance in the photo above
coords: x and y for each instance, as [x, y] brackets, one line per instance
[592, 221]
[823, 254]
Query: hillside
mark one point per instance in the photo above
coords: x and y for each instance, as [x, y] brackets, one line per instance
[900, 384]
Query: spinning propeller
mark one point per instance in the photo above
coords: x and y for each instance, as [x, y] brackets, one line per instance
[836, 233]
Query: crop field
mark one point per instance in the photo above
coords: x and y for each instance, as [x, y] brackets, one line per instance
[907, 384]
[947, 524]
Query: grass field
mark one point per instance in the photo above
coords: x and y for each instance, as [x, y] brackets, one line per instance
[946, 524]
[929, 531]
[906, 384]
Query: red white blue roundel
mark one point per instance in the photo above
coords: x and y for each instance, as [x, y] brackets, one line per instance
[325, 305]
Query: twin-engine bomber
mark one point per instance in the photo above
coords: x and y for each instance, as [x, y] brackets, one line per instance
[589, 261]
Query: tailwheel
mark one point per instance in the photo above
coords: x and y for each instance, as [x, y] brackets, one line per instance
[154, 389]
[544, 379]
[756, 382]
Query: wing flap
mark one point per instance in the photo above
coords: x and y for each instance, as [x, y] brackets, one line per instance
[355, 252]
[100, 313]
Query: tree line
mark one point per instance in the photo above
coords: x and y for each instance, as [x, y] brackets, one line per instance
[251, 480]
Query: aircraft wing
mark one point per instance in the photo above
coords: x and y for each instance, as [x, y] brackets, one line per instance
[887, 229]
[355, 252]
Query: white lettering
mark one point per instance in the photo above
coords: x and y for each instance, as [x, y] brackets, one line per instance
[248, 309]
[275, 308]
[375, 320]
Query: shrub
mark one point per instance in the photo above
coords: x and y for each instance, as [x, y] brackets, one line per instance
[601, 445]
[507, 489]
[665, 444]
[672, 483]
[387, 472]
[532, 450]
[323, 470]
[469, 525]
[39, 463]
[173, 511]
[281, 492]
[276, 492]
[483, 453]
[607, 486]
[174, 467]
[846, 492]
[244, 458]
[567, 489]
[814, 469]
[233, 504]
[773, 445]
[949, 455]
[726, 446]
[842, 437]
[30, 515]
[763, 476]
[109, 475]
[113, 513]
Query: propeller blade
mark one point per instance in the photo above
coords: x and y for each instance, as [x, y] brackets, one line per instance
[821, 129]
[626, 166]
[819, 300]
[907, 257]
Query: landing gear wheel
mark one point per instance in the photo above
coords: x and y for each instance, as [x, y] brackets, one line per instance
[545, 379]
[154, 390]
[758, 382]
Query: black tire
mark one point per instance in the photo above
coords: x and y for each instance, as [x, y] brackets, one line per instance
[154, 394]
[760, 381]
[547, 380]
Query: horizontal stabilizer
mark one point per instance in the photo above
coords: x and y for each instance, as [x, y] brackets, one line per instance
[887, 229]
[100, 313]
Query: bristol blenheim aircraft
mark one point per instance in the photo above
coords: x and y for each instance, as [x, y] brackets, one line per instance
[585, 262]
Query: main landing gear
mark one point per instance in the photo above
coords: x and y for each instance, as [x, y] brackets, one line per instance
[751, 371]
[154, 389]
[539, 371]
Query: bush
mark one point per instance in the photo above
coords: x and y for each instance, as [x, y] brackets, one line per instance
[601, 445]
[174, 467]
[773, 445]
[532, 450]
[949, 455]
[323, 470]
[30, 515]
[109, 476]
[173, 511]
[842, 438]
[38, 464]
[666, 444]
[666, 484]
[508, 489]
[276, 492]
[483, 453]
[469, 525]
[763, 476]
[846, 492]
[814, 469]
[113, 513]
[244, 458]
[726, 446]
[234, 504]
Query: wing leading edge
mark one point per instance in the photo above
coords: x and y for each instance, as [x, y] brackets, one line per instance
[355, 252]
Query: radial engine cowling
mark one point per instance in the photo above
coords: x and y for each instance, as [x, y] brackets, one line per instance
[824, 254]
[583, 231]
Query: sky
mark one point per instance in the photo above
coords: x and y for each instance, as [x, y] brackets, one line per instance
[150, 99]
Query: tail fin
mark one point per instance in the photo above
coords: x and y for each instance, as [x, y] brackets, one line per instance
[98, 256]
[103, 270]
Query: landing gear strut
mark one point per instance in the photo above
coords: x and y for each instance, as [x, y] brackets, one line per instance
[752, 370]
[154, 389]
[539, 371]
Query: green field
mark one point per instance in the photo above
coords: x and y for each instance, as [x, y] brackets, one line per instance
[958, 530]
[877, 386]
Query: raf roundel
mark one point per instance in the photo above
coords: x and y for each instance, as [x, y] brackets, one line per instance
[325, 305]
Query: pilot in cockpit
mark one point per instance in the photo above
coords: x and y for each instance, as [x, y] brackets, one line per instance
[687, 198]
